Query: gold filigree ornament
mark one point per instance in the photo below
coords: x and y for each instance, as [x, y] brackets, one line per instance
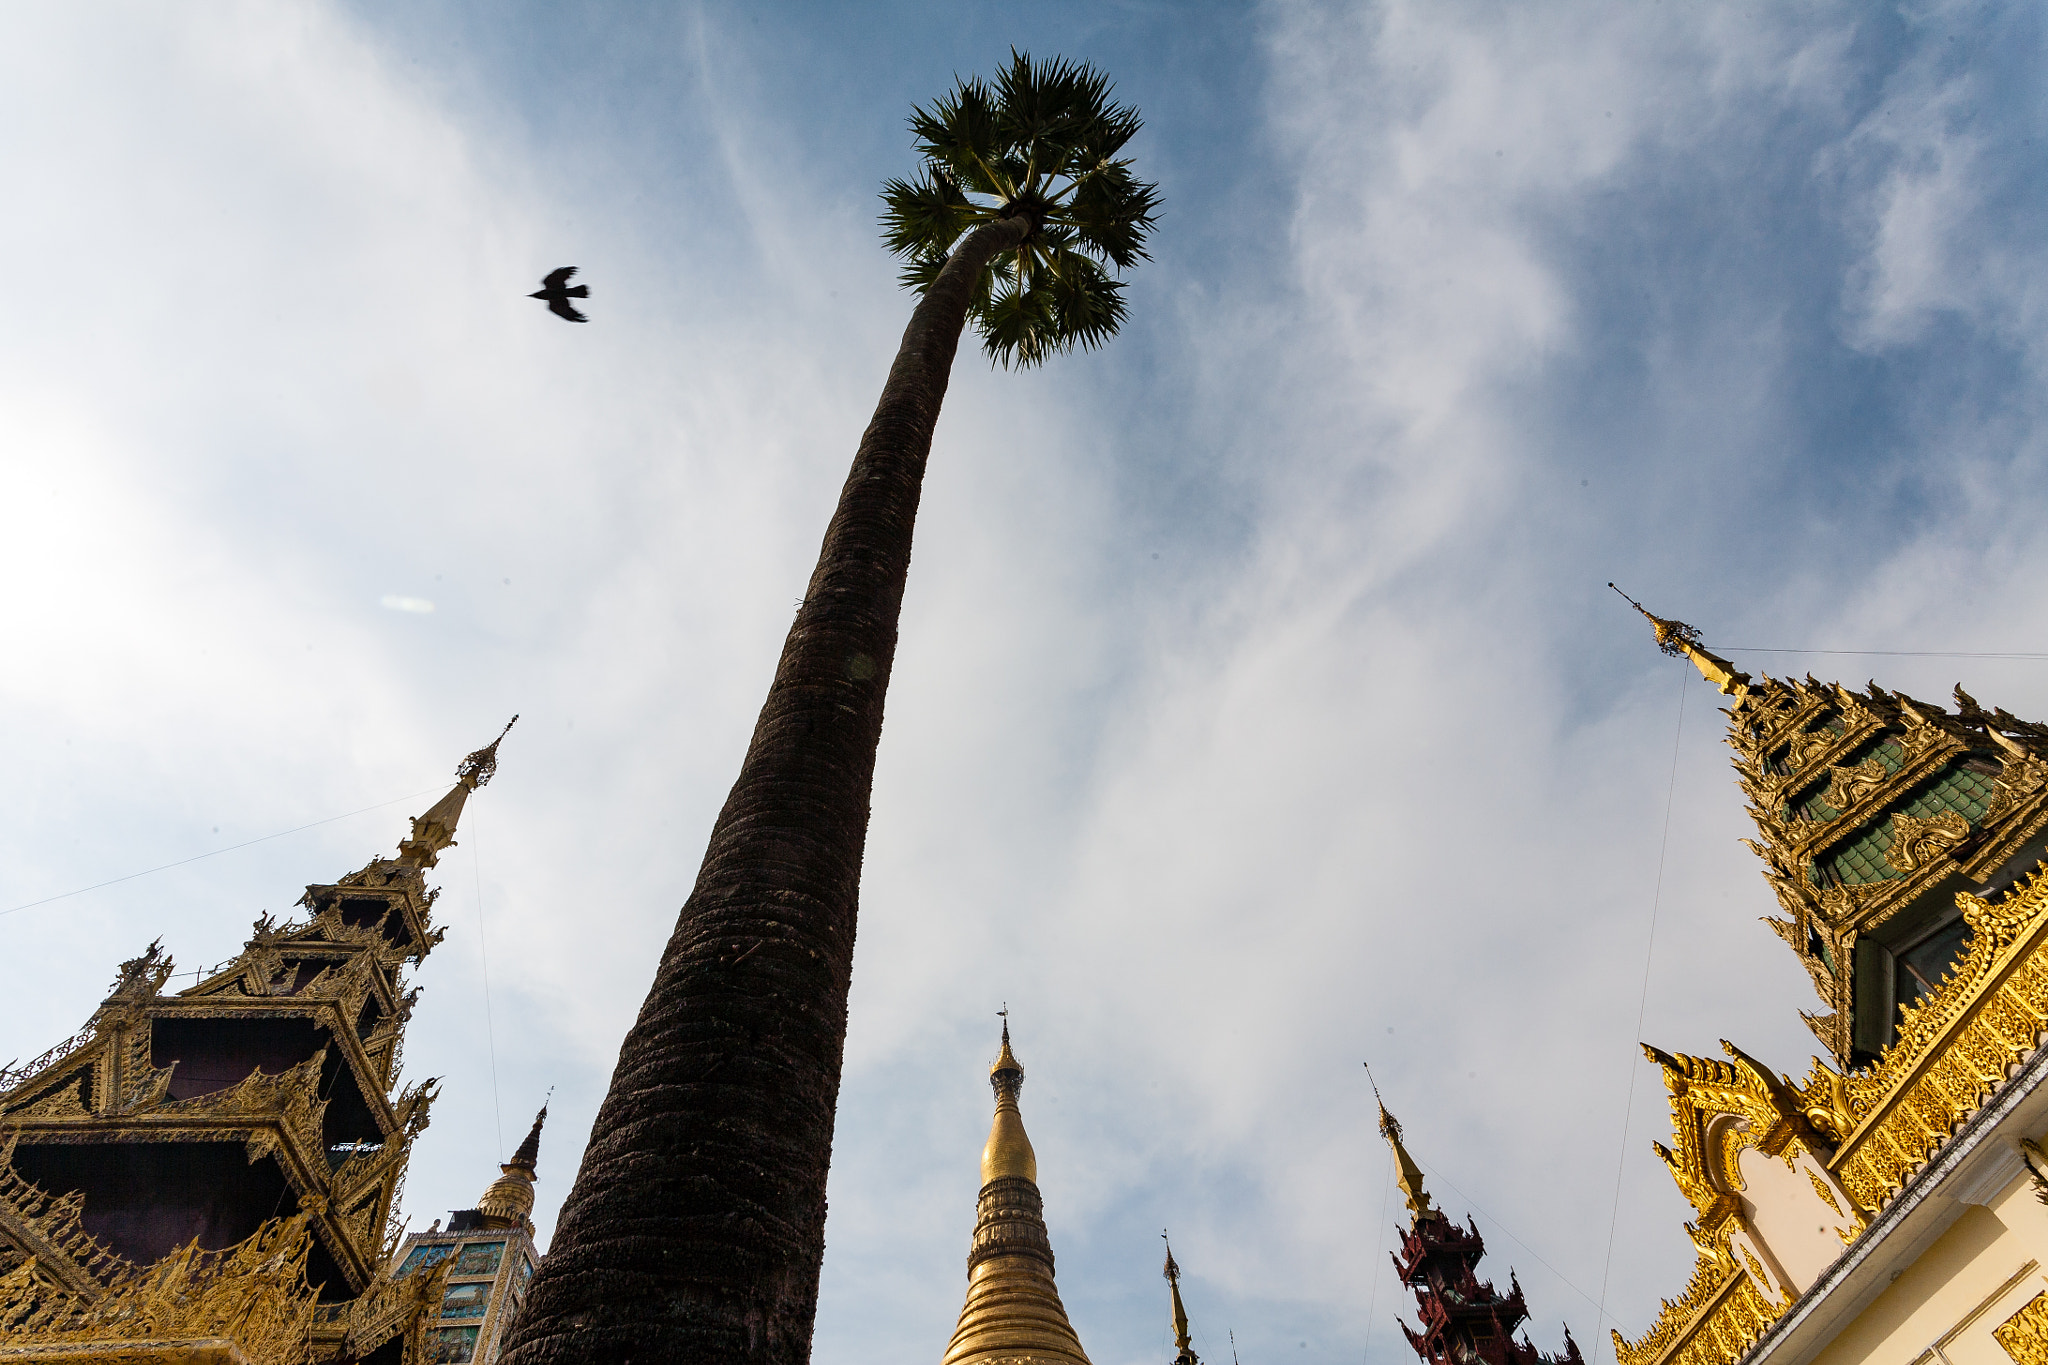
[1916, 842]
[1954, 1048]
[2024, 1335]
[253, 1296]
[1850, 785]
[1820, 1187]
[1720, 1316]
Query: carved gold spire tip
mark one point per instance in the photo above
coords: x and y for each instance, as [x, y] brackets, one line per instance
[1408, 1173]
[509, 1200]
[1008, 1152]
[434, 833]
[1682, 641]
[1180, 1313]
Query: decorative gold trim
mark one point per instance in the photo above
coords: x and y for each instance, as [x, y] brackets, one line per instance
[2024, 1335]
[1954, 1048]
[1720, 1315]
[252, 1296]
[1916, 842]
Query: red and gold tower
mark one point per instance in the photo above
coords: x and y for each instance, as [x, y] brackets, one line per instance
[1465, 1320]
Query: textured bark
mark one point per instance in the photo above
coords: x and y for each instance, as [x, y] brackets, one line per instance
[696, 1225]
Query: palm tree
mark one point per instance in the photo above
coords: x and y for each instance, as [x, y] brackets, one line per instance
[695, 1228]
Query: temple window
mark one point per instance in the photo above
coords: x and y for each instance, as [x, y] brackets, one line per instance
[1900, 963]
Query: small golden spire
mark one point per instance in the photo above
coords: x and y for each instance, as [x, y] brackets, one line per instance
[434, 833]
[509, 1200]
[1180, 1314]
[1680, 640]
[1410, 1173]
[1013, 1312]
[1008, 1152]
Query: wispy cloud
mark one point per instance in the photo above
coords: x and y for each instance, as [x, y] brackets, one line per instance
[1261, 707]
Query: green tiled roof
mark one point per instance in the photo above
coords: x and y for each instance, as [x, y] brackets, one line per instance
[1813, 807]
[1958, 789]
[1863, 861]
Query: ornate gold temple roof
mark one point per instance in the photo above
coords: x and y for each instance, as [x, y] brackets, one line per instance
[1902, 842]
[1008, 1152]
[265, 1097]
[1874, 809]
[1013, 1314]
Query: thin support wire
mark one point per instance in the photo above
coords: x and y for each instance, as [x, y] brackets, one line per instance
[1379, 1244]
[476, 862]
[1643, 1000]
[215, 853]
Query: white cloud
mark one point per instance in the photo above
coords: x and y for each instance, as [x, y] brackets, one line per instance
[1376, 771]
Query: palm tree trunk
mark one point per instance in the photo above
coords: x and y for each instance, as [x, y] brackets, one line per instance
[696, 1225]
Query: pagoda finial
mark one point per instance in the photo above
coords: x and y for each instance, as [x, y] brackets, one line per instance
[1410, 1173]
[1181, 1340]
[1013, 1310]
[434, 832]
[528, 1154]
[509, 1200]
[1008, 1152]
[1682, 641]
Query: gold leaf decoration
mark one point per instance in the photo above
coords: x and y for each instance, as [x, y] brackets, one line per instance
[1916, 841]
[2024, 1335]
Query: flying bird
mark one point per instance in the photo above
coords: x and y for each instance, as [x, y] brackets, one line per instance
[556, 291]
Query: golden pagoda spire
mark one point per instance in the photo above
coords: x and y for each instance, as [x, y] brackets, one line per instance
[1680, 640]
[1410, 1173]
[1187, 1354]
[1013, 1310]
[434, 832]
[509, 1200]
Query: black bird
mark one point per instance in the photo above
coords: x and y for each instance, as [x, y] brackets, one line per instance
[556, 291]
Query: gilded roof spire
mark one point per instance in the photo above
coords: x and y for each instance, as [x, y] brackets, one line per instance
[509, 1200]
[1410, 1173]
[1682, 641]
[1008, 1152]
[1187, 1354]
[434, 832]
[1013, 1310]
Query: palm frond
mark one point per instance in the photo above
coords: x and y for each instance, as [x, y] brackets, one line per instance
[1016, 327]
[1044, 140]
[962, 132]
[1088, 306]
[926, 215]
[924, 267]
[1112, 213]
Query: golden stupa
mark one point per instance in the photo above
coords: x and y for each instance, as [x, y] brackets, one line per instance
[1013, 1313]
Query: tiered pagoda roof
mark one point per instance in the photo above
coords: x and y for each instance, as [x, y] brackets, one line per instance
[1903, 843]
[1464, 1320]
[261, 1103]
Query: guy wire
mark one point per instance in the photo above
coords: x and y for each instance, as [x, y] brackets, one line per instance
[1379, 1244]
[476, 860]
[1643, 1000]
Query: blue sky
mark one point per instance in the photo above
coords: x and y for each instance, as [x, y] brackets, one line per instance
[1261, 707]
